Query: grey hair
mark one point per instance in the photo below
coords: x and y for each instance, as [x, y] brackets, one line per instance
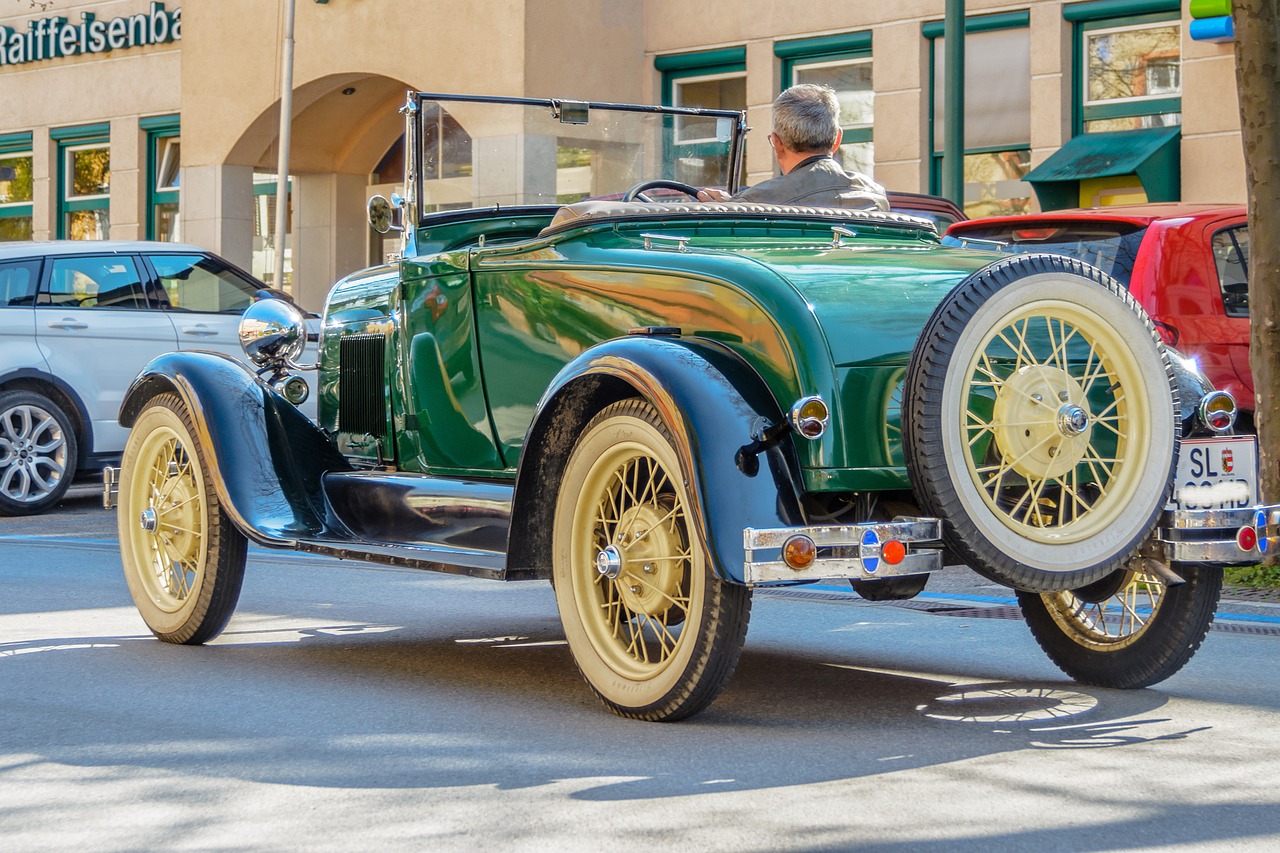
[806, 117]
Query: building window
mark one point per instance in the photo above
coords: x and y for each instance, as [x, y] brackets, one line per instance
[842, 62]
[713, 80]
[997, 112]
[164, 149]
[1130, 74]
[265, 243]
[84, 182]
[15, 187]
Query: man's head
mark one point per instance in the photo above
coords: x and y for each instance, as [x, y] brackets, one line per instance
[806, 119]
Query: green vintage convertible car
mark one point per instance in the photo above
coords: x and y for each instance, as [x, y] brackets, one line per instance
[576, 372]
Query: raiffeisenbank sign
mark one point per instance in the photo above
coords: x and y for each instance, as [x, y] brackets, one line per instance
[55, 37]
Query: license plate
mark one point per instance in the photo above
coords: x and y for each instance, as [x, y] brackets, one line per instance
[1216, 473]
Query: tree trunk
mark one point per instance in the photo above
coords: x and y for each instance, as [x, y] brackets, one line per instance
[1257, 48]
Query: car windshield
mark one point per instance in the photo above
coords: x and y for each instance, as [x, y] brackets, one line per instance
[1109, 246]
[482, 152]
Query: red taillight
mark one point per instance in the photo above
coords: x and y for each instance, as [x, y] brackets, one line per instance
[893, 552]
[1034, 235]
[1247, 539]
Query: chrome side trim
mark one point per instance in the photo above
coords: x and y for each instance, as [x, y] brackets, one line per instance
[857, 547]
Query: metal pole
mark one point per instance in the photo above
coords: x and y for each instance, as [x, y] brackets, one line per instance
[953, 107]
[286, 121]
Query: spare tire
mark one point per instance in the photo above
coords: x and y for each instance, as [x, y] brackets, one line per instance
[1041, 423]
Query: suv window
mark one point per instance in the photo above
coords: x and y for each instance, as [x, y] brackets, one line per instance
[1231, 256]
[18, 280]
[1110, 246]
[94, 282]
[199, 283]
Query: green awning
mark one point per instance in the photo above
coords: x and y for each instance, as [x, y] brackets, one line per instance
[1153, 155]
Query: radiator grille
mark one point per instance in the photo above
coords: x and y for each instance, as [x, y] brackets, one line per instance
[362, 385]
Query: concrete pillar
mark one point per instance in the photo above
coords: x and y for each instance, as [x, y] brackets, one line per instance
[128, 180]
[217, 210]
[44, 185]
[330, 234]
[898, 65]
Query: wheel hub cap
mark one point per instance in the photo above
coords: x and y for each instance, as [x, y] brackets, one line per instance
[148, 519]
[1072, 420]
[648, 575]
[1041, 422]
[609, 562]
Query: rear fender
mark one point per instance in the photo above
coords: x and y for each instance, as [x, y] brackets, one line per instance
[265, 457]
[710, 399]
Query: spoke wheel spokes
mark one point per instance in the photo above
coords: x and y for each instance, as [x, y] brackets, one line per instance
[1115, 621]
[33, 453]
[170, 504]
[1049, 423]
[641, 607]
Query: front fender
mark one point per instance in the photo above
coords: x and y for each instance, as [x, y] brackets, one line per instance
[265, 457]
[710, 399]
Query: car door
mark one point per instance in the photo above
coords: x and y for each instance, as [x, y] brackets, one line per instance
[1228, 241]
[204, 297]
[18, 350]
[96, 330]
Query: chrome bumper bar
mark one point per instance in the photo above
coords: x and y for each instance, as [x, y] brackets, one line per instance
[851, 551]
[110, 487]
[1214, 535]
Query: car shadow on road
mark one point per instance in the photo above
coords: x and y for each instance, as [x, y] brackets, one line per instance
[378, 707]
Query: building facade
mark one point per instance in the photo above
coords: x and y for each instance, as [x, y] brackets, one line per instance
[141, 119]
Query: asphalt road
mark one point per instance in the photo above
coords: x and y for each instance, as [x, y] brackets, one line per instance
[350, 707]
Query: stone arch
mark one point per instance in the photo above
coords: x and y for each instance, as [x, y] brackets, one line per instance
[343, 125]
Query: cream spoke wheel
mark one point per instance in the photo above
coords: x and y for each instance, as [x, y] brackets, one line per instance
[1113, 621]
[1130, 629]
[1041, 422]
[183, 559]
[1031, 425]
[653, 631]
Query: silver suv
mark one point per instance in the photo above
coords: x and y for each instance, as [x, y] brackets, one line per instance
[78, 320]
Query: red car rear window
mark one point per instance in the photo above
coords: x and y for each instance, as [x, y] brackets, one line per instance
[1109, 246]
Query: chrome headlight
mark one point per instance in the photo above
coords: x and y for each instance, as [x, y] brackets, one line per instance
[273, 333]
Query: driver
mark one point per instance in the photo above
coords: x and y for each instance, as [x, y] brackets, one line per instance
[806, 133]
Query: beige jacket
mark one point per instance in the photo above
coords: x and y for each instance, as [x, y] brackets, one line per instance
[819, 181]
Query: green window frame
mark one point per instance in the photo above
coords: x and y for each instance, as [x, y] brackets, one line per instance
[15, 148]
[708, 64]
[1019, 156]
[71, 140]
[163, 147]
[1101, 15]
[844, 49]
[692, 138]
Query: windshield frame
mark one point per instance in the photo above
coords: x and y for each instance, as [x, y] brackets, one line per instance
[414, 130]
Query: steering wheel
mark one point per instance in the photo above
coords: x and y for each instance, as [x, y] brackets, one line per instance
[637, 191]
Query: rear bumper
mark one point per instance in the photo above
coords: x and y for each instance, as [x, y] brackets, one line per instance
[852, 551]
[1214, 535]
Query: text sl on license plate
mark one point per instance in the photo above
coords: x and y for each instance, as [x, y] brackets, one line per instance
[1216, 473]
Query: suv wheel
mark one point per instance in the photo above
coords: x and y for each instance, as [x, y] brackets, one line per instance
[37, 453]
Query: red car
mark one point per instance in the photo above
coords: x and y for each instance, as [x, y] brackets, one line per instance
[1187, 264]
